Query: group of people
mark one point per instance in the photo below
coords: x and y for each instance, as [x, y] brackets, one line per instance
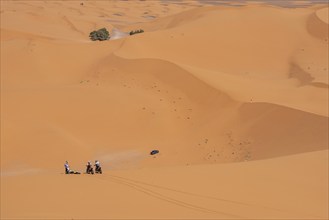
[89, 169]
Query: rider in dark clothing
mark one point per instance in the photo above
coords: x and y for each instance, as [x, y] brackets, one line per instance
[89, 168]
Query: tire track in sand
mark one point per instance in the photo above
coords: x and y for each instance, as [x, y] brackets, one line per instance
[165, 198]
[136, 182]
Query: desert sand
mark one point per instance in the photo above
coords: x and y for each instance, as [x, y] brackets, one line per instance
[235, 98]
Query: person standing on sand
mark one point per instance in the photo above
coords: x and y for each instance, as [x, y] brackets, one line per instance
[67, 168]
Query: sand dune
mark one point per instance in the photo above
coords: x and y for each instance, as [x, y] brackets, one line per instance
[235, 99]
[317, 24]
[322, 14]
[253, 190]
[266, 51]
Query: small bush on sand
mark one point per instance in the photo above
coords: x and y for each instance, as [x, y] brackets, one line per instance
[136, 32]
[101, 34]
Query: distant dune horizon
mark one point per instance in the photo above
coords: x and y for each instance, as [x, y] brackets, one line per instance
[281, 3]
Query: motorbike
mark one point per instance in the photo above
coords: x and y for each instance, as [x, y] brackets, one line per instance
[98, 169]
[89, 169]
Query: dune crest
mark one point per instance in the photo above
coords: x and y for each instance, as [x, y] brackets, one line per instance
[323, 15]
[317, 24]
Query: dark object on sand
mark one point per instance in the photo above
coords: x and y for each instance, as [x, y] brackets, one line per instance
[98, 169]
[154, 152]
[72, 172]
[136, 32]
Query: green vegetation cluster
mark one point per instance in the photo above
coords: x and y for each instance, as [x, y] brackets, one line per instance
[101, 34]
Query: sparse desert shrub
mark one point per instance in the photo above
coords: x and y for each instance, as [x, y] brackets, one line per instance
[136, 32]
[101, 34]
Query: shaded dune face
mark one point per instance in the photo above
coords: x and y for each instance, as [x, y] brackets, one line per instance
[317, 24]
[275, 129]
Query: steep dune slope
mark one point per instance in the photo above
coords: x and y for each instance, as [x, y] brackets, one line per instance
[136, 105]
